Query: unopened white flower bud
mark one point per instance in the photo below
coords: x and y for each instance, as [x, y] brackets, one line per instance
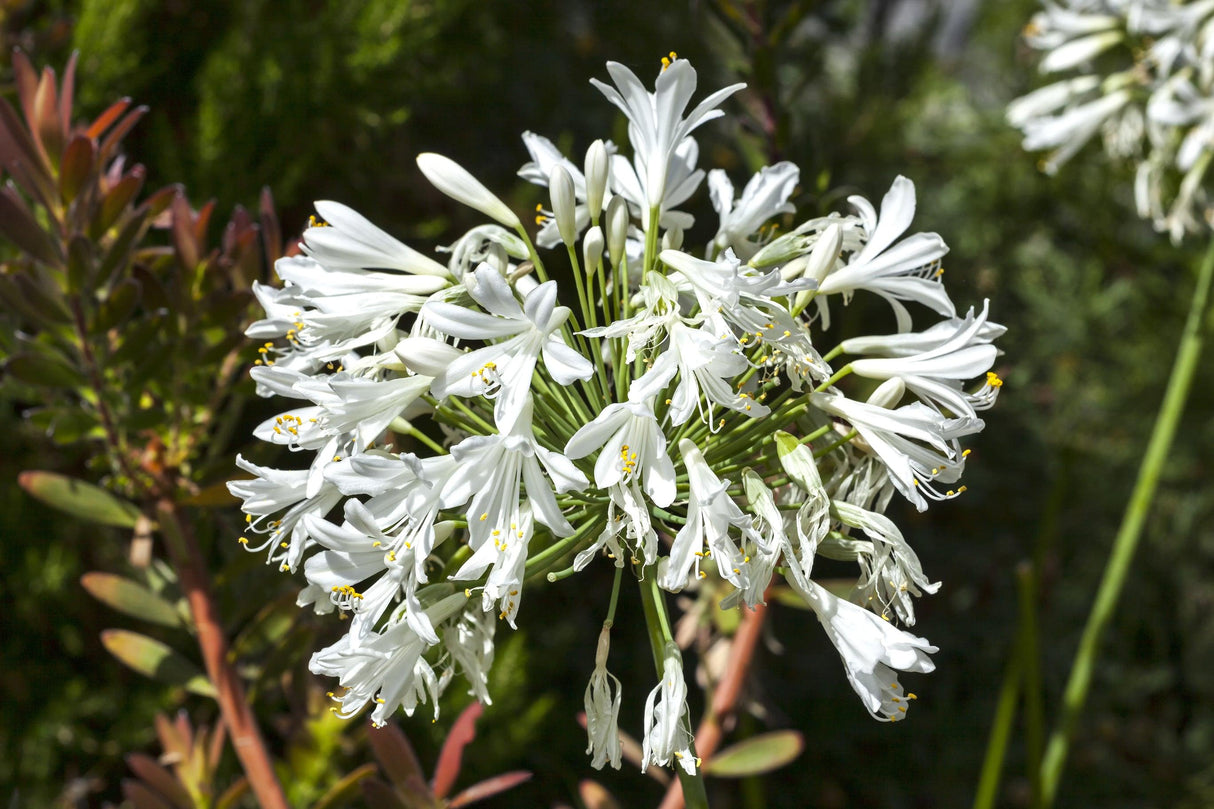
[825, 253]
[617, 228]
[888, 393]
[672, 239]
[454, 180]
[592, 249]
[560, 189]
[598, 163]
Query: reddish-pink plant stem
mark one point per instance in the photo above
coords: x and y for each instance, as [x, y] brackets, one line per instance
[233, 706]
[725, 697]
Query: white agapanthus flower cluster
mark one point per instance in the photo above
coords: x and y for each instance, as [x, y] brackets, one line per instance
[669, 412]
[1141, 74]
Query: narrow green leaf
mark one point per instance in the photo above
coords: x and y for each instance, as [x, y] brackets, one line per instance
[130, 597]
[340, 793]
[156, 660]
[756, 755]
[41, 369]
[78, 498]
[48, 303]
[81, 264]
[118, 306]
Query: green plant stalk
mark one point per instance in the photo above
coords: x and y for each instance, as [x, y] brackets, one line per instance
[1021, 677]
[656, 621]
[1117, 568]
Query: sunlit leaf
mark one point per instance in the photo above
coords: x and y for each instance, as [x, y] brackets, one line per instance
[756, 755]
[78, 498]
[451, 756]
[130, 597]
[394, 753]
[154, 659]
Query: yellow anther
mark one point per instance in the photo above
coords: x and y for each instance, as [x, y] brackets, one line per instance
[336, 458]
[911, 696]
[703, 575]
[993, 379]
[376, 544]
[248, 518]
[284, 544]
[787, 333]
[962, 489]
[379, 700]
[243, 540]
[484, 516]
[939, 272]
[966, 454]
[467, 592]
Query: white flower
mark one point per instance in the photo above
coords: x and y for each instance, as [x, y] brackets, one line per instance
[656, 126]
[871, 648]
[916, 443]
[711, 513]
[603, 697]
[907, 270]
[667, 729]
[469, 641]
[348, 241]
[765, 196]
[504, 369]
[936, 373]
[633, 446]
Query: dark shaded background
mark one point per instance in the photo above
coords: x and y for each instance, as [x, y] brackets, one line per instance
[331, 100]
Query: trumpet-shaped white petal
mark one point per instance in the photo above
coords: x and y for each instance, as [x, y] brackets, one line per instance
[632, 446]
[348, 241]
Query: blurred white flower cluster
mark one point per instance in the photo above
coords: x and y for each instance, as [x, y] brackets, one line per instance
[1141, 74]
[664, 413]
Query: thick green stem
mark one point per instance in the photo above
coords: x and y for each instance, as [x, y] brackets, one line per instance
[695, 795]
[1126, 542]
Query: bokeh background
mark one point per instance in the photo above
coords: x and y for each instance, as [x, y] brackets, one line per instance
[331, 99]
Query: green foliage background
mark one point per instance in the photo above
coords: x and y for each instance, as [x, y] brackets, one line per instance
[332, 99]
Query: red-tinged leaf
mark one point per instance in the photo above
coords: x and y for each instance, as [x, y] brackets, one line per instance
[595, 796]
[451, 756]
[381, 796]
[26, 79]
[232, 794]
[175, 743]
[271, 229]
[160, 779]
[76, 167]
[110, 144]
[142, 797]
[130, 597]
[103, 122]
[202, 221]
[185, 242]
[394, 753]
[67, 91]
[47, 128]
[343, 791]
[17, 149]
[756, 755]
[116, 200]
[161, 200]
[78, 498]
[18, 225]
[489, 787]
[154, 659]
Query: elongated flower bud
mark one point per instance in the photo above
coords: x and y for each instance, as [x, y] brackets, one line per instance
[888, 393]
[597, 165]
[617, 228]
[560, 189]
[454, 180]
[592, 249]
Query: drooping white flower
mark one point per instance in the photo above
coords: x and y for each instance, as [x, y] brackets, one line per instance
[604, 695]
[872, 649]
[667, 729]
[711, 513]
